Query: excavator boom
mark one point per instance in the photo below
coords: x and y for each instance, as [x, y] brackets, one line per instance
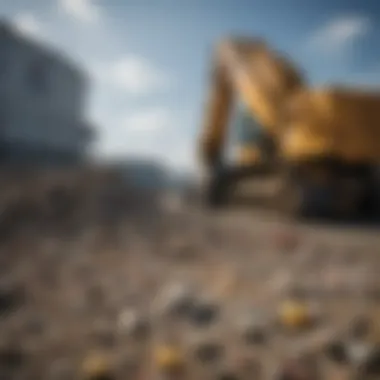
[260, 78]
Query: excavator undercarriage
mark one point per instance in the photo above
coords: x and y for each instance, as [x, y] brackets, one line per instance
[325, 189]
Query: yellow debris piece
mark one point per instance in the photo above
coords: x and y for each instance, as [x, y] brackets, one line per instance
[168, 358]
[294, 314]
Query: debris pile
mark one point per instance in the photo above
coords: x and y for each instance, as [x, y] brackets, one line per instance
[99, 282]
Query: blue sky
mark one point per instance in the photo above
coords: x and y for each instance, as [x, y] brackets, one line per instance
[148, 59]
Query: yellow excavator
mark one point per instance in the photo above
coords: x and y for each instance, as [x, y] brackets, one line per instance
[322, 144]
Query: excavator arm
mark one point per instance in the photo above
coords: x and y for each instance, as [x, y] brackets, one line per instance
[247, 70]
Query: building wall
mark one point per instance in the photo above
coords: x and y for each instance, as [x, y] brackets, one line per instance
[41, 99]
[24, 123]
[30, 73]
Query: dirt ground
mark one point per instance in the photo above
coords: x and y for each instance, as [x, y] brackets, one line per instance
[97, 302]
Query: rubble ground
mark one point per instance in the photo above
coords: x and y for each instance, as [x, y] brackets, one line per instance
[115, 285]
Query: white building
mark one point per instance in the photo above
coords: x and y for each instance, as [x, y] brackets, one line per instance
[42, 99]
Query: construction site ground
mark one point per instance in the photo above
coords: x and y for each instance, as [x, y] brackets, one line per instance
[92, 297]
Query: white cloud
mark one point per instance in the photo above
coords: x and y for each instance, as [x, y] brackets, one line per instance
[148, 120]
[132, 74]
[339, 33]
[82, 10]
[26, 23]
